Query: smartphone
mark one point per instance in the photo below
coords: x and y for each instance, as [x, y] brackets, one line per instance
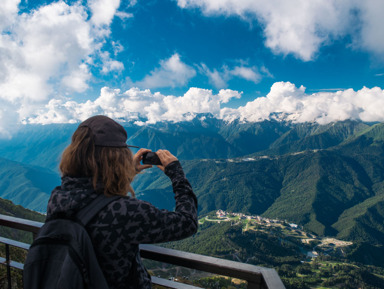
[151, 158]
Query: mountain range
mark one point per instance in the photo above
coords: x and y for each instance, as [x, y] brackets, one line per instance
[328, 178]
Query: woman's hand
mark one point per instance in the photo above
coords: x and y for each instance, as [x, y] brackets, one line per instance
[166, 158]
[137, 159]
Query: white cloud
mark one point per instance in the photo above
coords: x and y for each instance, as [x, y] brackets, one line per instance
[171, 73]
[291, 103]
[110, 64]
[8, 12]
[220, 79]
[301, 27]
[103, 11]
[123, 15]
[372, 34]
[195, 100]
[117, 47]
[77, 79]
[285, 101]
[50, 51]
[136, 104]
[225, 95]
[216, 78]
[248, 73]
[43, 46]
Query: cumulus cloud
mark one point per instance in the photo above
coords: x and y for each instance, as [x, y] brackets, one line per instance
[103, 11]
[8, 12]
[49, 43]
[77, 79]
[110, 64]
[51, 50]
[141, 106]
[285, 101]
[372, 35]
[171, 73]
[301, 27]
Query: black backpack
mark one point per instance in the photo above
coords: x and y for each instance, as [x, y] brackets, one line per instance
[62, 255]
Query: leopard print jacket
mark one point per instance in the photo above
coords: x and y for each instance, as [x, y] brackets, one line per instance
[121, 226]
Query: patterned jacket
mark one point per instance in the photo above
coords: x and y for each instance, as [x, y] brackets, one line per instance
[121, 226]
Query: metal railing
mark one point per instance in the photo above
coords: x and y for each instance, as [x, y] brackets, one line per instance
[256, 277]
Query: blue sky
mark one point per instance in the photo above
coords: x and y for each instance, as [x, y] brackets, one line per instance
[160, 29]
[156, 60]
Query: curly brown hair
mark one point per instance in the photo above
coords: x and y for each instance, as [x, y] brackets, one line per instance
[110, 168]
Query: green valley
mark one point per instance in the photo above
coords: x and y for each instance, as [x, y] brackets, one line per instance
[327, 179]
[302, 259]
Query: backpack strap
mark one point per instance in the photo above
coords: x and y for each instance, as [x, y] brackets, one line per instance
[88, 212]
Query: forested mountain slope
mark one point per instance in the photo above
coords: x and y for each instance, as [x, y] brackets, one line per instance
[26, 185]
[329, 178]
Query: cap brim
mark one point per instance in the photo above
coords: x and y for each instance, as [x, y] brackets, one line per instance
[133, 146]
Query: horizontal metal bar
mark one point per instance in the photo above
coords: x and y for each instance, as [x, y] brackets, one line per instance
[21, 224]
[12, 264]
[203, 263]
[14, 243]
[257, 277]
[171, 284]
[255, 274]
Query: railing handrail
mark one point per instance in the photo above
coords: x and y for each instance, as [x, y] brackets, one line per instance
[257, 277]
[251, 273]
[20, 224]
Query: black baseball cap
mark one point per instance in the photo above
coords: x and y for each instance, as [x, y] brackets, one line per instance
[107, 132]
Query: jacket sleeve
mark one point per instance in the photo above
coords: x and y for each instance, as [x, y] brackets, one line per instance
[147, 224]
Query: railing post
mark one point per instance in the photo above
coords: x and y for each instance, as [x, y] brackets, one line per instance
[8, 261]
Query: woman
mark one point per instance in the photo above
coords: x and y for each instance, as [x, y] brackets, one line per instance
[98, 161]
